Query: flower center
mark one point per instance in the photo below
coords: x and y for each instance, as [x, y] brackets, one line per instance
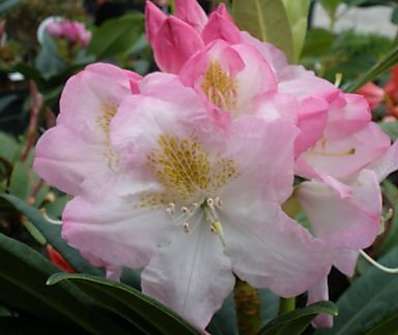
[186, 170]
[208, 209]
[191, 178]
[219, 87]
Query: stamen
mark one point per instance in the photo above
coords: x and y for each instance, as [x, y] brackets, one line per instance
[378, 265]
[48, 219]
[349, 152]
[213, 220]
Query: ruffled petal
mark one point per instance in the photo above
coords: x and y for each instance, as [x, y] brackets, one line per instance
[347, 222]
[112, 223]
[268, 249]
[79, 146]
[387, 163]
[192, 275]
[343, 158]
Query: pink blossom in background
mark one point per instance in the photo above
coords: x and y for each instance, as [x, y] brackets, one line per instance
[72, 31]
[343, 201]
[372, 93]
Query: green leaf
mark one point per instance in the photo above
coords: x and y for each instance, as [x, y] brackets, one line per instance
[390, 128]
[51, 232]
[267, 20]
[390, 193]
[225, 321]
[117, 36]
[389, 326]
[23, 286]
[20, 326]
[9, 147]
[20, 181]
[48, 61]
[330, 7]
[294, 323]
[128, 303]
[369, 300]
[394, 15]
[385, 64]
[6, 5]
[297, 13]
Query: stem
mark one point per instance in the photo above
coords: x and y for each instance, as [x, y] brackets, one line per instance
[248, 306]
[287, 305]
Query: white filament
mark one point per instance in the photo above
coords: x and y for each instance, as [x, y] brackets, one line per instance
[378, 265]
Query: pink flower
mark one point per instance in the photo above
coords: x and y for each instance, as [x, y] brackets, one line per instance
[193, 204]
[343, 200]
[72, 31]
[223, 64]
[79, 146]
[373, 94]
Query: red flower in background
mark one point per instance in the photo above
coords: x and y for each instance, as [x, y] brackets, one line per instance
[375, 95]
[391, 91]
[58, 260]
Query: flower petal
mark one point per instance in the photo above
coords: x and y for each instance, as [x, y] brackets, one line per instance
[79, 145]
[268, 249]
[191, 13]
[320, 292]
[191, 275]
[154, 18]
[175, 42]
[111, 224]
[351, 222]
[387, 164]
[344, 157]
[220, 26]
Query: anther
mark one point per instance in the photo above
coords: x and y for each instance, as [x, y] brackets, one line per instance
[185, 210]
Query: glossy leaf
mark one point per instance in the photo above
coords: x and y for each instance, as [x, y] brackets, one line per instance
[9, 147]
[117, 36]
[295, 323]
[297, 13]
[382, 66]
[385, 327]
[128, 303]
[20, 181]
[23, 286]
[390, 128]
[51, 232]
[390, 240]
[370, 299]
[267, 20]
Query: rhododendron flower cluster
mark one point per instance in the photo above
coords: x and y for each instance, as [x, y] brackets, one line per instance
[72, 31]
[183, 173]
